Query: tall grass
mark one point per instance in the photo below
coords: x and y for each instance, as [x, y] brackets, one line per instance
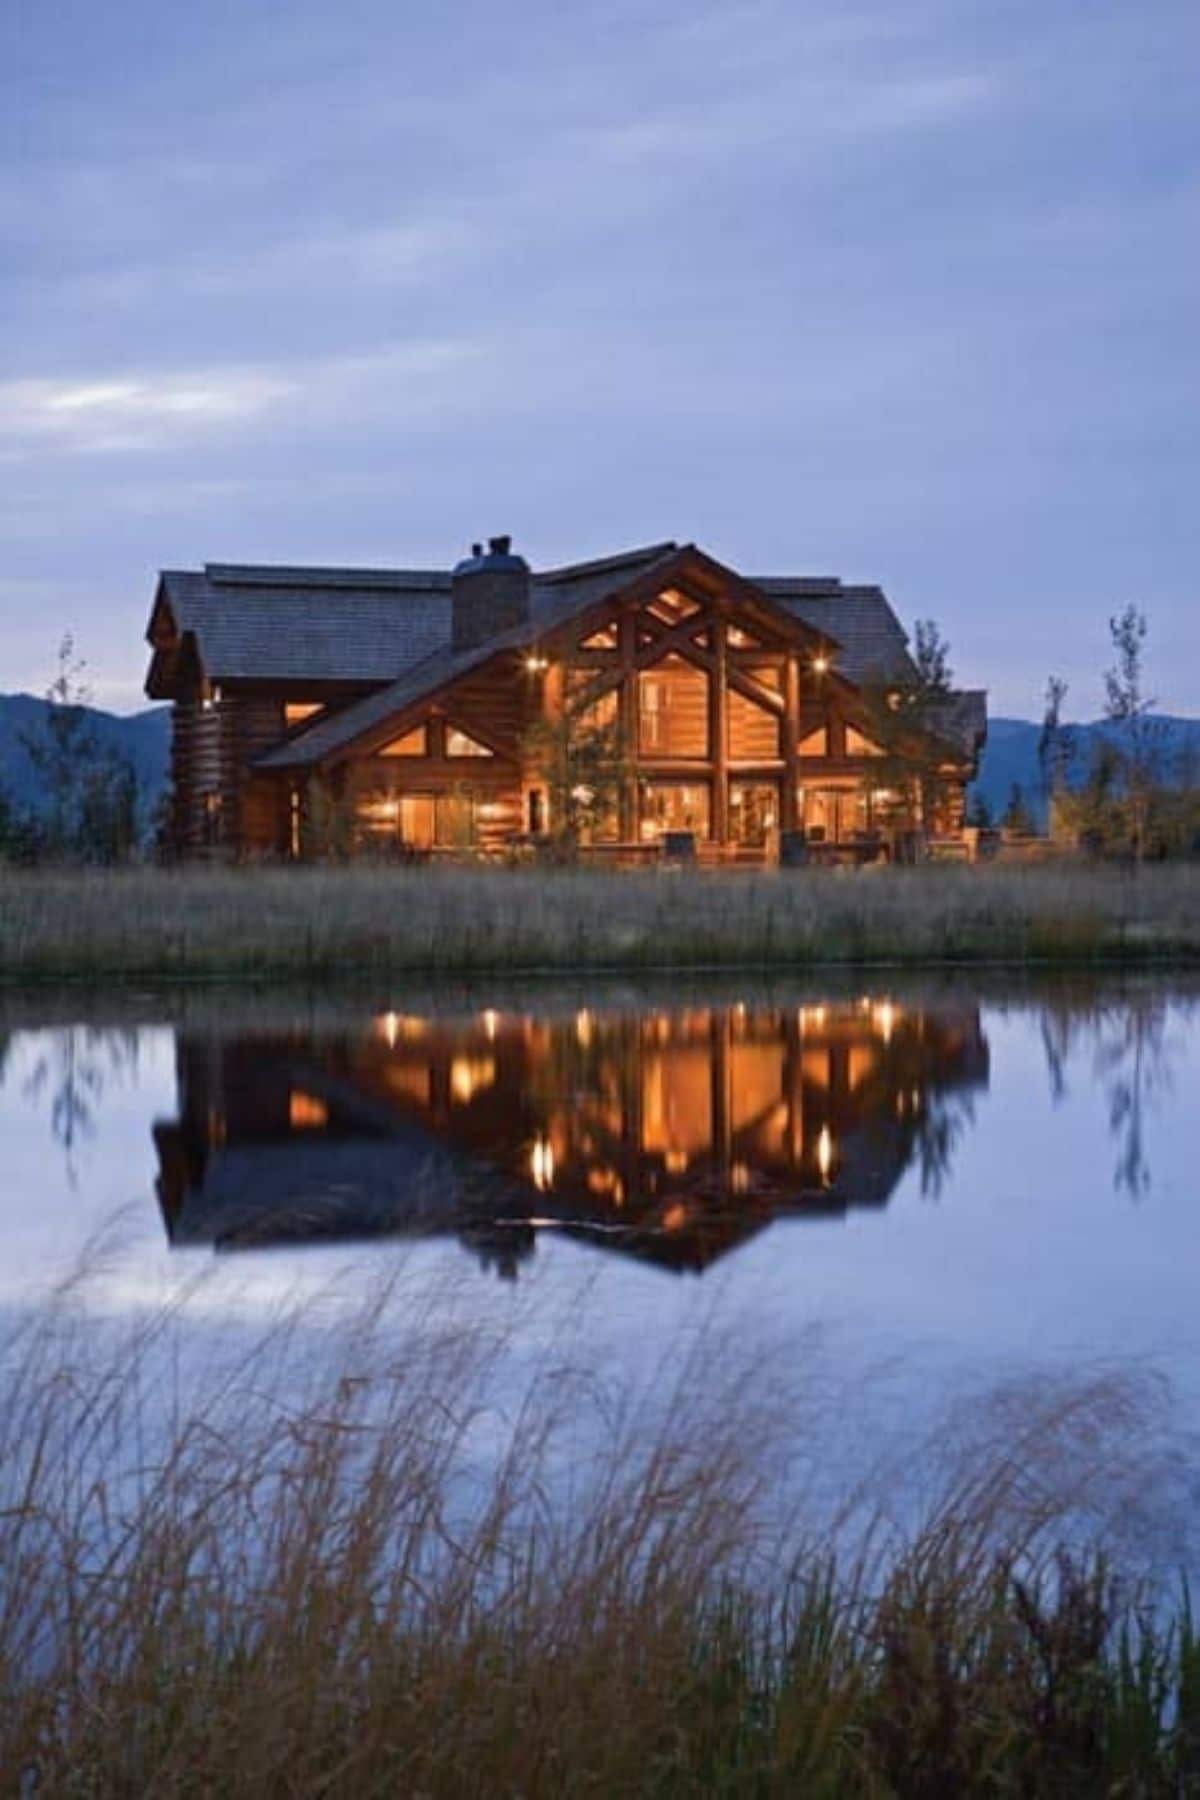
[371, 1581]
[316, 922]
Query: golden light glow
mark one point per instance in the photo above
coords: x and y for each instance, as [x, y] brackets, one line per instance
[394, 1026]
[491, 1019]
[675, 1217]
[739, 1177]
[820, 664]
[306, 1112]
[885, 1020]
[825, 1152]
[536, 665]
[541, 1164]
[469, 1075]
[583, 1027]
[675, 1162]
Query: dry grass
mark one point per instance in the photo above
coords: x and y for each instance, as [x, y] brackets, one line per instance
[374, 1583]
[358, 921]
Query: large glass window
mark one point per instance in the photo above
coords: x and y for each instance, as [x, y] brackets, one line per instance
[835, 815]
[673, 709]
[675, 806]
[753, 811]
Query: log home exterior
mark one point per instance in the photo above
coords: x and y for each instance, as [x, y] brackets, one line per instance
[400, 710]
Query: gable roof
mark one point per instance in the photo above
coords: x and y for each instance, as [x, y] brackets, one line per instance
[391, 629]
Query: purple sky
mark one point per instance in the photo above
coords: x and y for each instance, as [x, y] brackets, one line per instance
[900, 291]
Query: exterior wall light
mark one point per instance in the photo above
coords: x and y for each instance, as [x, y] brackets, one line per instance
[537, 665]
[820, 664]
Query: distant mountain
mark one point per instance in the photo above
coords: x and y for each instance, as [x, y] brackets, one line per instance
[144, 737]
[1011, 755]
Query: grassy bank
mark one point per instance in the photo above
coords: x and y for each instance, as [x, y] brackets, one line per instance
[290, 924]
[331, 1591]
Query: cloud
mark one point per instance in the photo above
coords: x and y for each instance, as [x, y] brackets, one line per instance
[157, 410]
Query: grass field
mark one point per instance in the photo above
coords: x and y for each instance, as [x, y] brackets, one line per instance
[286, 1587]
[213, 923]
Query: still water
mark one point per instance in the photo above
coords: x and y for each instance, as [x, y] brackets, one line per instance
[919, 1190]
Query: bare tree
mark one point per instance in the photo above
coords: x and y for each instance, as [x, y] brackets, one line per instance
[1056, 745]
[1128, 706]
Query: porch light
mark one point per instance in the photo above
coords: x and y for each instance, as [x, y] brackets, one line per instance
[535, 664]
[820, 664]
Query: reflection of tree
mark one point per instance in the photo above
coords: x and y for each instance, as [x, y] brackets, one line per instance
[1131, 1056]
[938, 1130]
[74, 1071]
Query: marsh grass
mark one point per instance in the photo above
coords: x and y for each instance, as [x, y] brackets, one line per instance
[371, 1579]
[319, 922]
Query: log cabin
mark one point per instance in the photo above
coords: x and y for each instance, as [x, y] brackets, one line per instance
[415, 712]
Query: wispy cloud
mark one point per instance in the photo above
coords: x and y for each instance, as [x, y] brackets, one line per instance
[165, 409]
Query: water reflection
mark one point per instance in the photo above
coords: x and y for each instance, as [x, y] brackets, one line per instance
[1131, 1056]
[672, 1135]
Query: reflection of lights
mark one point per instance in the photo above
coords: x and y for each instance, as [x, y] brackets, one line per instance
[468, 1074]
[491, 1019]
[675, 1162]
[885, 1020]
[392, 1026]
[306, 1112]
[541, 1164]
[583, 1027]
[812, 1016]
[675, 1217]
[825, 1152]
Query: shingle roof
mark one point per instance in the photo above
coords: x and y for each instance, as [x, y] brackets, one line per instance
[287, 624]
[393, 627]
[554, 596]
[872, 642]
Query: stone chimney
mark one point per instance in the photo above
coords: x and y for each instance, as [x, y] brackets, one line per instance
[490, 593]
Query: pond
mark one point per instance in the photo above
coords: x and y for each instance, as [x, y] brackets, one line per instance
[916, 1192]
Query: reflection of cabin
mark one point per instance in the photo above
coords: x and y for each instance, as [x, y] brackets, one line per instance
[673, 1135]
[405, 704]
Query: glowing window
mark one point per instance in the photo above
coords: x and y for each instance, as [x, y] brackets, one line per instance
[737, 639]
[296, 711]
[858, 745]
[460, 743]
[413, 743]
[603, 639]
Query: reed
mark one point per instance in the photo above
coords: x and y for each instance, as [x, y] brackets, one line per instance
[370, 1580]
[316, 922]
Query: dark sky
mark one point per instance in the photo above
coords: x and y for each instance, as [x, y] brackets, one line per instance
[900, 291]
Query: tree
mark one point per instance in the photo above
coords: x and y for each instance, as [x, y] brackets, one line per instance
[90, 790]
[906, 718]
[1129, 707]
[581, 756]
[1017, 816]
[1056, 746]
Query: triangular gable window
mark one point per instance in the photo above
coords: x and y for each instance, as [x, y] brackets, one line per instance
[603, 639]
[738, 639]
[815, 744]
[295, 712]
[858, 745]
[671, 607]
[413, 743]
[460, 743]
